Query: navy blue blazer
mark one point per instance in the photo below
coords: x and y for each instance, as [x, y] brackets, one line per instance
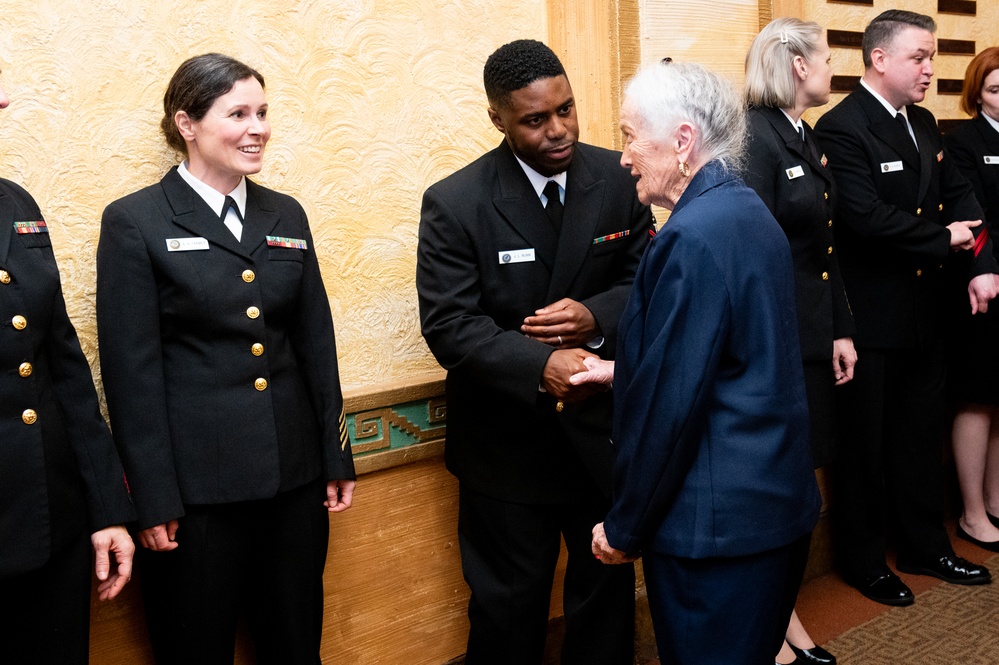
[711, 419]
[504, 437]
[217, 355]
[59, 472]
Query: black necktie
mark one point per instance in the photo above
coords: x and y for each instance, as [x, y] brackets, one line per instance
[554, 205]
[900, 119]
[230, 203]
[801, 132]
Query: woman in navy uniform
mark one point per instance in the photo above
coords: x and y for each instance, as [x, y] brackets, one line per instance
[974, 382]
[220, 367]
[62, 490]
[787, 72]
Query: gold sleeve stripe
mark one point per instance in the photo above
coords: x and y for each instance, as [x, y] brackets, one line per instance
[344, 439]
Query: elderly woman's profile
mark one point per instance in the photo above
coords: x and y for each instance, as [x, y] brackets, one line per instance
[713, 482]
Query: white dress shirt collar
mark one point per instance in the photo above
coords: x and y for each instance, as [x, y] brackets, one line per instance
[539, 181]
[212, 197]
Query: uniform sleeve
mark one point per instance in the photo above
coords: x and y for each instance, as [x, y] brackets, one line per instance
[128, 326]
[459, 333]
[316, 348]
[663, 381]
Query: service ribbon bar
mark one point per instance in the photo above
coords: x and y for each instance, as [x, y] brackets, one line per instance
[30, 227]
[612, 236]
[294, 243]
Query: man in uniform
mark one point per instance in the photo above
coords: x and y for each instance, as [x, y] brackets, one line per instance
[526, 259]
[902, 210]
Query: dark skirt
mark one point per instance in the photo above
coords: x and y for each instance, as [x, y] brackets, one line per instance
[973, 367]
[820, 385]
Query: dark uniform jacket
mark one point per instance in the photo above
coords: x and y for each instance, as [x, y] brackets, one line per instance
[59, 472]
[974, 147]
[504, 437]
[711, 420]
[218, 355]
[794, 180]
[891, 226]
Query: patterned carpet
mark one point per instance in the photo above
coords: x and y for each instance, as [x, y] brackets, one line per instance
[947, 625]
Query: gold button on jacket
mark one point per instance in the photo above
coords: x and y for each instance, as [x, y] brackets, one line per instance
[260, 384]
[257, 349]
[248, 276]
[4, 277]
[825, 276]
[29, 417]
[252, 312]
[24, 369]
[19, 322]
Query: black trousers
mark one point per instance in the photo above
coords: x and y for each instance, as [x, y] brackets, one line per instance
[48, 610]
[891, 422]
[509, 553]
[262, 560]
[731, 610]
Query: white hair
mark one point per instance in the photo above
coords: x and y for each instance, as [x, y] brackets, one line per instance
[667, 94]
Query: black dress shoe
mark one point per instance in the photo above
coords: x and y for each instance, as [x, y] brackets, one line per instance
[814, 656]
[992, 546]
[951, 569]
[885, 588]
[993, 519]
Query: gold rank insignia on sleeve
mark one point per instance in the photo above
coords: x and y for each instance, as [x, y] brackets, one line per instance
[344, 439]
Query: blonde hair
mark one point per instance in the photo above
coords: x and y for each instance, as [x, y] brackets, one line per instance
[769, 72]
[667, 94]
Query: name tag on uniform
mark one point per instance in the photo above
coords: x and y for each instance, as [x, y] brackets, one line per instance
[794, 172]
[516, 256]
[186, 244]
[888, 167]
[991, 159]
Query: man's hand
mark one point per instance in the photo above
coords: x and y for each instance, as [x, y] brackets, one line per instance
[961, 235]
[113, 578]
[981, 290]
[561, 365]
[160, 538]
[603, 551]
[844, 359]
[339, 495]
[565, 324]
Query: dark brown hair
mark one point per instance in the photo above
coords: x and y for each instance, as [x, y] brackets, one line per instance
[981, 66]
[195, 86]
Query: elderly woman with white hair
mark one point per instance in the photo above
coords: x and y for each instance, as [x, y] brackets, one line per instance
[713, 482]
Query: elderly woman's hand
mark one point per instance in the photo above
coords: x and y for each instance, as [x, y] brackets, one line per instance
[112, 540]
[603, 551]
[597, 371]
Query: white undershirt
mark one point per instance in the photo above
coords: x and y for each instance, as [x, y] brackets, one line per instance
[216, 201]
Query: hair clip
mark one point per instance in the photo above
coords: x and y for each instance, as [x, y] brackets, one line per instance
[666, 60]
[783, 37]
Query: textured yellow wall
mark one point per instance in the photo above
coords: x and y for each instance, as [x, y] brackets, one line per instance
[371, 101]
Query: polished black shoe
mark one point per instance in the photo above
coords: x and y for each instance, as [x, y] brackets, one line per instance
[951, 569]
[992, 546]
[885, 588]
[993, 519]
[815, 656]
